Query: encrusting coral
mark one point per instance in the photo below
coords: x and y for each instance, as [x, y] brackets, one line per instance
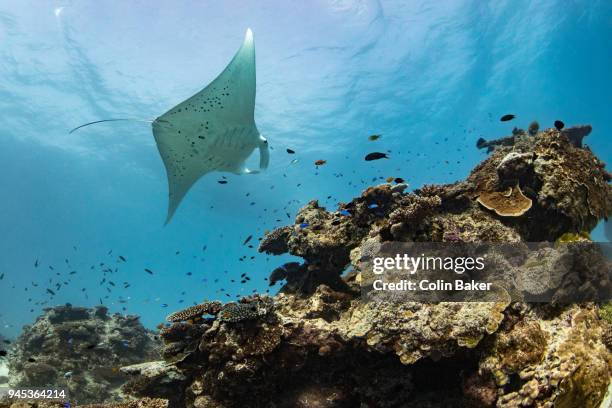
[318, 343]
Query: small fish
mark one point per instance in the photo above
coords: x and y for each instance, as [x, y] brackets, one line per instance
[345, 213]
[559, 125]
[68, 374]
[164, 305]
[222, 181]
[91, 346]
[2, 276]
[399, 180]
[507, 117]
[150, 272]
[373, 206]
[122, 258]
[36, 263]
[304, 225]
[290, 151]
[320, 162]
[246, 241]
[373, 138]
[376, 156]
[389, 179]
[51, 292]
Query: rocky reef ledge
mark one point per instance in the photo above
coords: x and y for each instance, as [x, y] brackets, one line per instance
[316, 344]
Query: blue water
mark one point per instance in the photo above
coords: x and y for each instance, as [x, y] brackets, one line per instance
[431, 77]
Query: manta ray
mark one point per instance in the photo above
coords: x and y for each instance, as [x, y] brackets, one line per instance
[214, 130]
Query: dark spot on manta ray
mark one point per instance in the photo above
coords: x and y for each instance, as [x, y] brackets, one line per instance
[376, 156]
[559, 125]
[507, 117]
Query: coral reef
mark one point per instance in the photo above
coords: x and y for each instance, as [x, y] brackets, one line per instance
[80, 350]
[318, 343]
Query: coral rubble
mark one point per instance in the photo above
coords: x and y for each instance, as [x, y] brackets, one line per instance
[317, 343]
[81, 350]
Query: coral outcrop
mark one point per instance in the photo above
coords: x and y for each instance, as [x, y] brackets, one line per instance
[319, 343]
[81, 350]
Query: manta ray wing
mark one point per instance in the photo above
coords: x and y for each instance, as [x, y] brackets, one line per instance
[214, 130]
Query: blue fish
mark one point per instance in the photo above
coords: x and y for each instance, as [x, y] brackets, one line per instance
[345, 212]
[304, 225]
[164, 305]
[373, 206]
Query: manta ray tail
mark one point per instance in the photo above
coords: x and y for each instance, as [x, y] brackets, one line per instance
[112, 120]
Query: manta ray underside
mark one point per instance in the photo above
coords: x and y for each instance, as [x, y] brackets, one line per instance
[214, 130]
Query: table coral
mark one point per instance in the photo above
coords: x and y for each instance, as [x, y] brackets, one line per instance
[192, 312]
[510, 203]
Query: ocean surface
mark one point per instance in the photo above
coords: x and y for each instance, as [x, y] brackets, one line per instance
[431, 77]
